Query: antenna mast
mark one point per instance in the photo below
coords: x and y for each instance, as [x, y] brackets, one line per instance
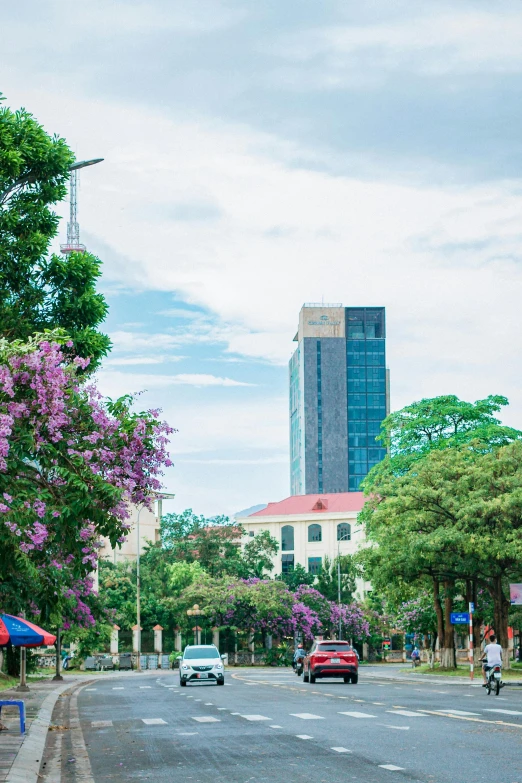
[73, 227]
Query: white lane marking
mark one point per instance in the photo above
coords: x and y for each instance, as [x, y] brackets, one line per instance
[208, 704]
[187, 733]
[303, 736]
[505, 712]
[306, 716]
[142, 687]
[391, 767]
[207, 719]
[255, 717]
[399, 728]
[221, 708]
[99, 724]
[119, 688]
[458, 712]
[154, 721]
[408, 713]
[275, 726]
[358, 714]
[197, 699]
[235, 713]
[341, 750]
[91, 689]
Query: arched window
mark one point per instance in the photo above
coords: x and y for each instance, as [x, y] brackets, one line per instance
[344, 531]
[315, 533]
[287, 538]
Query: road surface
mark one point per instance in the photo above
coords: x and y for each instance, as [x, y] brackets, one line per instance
[269, 726]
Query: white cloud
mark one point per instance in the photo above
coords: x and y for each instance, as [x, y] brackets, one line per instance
[125, 361]
[438, 42]
[115, 384]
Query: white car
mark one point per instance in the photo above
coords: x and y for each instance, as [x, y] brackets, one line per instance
[201, 662]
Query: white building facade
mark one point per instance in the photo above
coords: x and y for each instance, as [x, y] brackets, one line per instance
[309, 528]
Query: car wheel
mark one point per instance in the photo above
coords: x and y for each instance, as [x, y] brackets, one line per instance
[221, 682]
[355, 679]
[183, 683]
[312, 678]
[347, 679]
[305, 677]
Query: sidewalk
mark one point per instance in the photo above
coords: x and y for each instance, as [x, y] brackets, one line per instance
[381, 671]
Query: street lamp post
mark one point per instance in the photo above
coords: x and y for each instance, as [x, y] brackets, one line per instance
[196, 612]
[138, 596]
[344, 537]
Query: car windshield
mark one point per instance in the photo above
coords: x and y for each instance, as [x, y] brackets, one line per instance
[333, 647]
[201, 652]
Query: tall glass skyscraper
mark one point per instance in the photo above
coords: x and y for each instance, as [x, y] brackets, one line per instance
[339, 395]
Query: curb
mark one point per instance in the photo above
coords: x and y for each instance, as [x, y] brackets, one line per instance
[26, 766]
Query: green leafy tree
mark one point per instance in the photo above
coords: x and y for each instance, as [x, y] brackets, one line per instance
[38, 291]
[118, 589]
[327, 580]
[257, 555]
[296, 577]
[215, 543]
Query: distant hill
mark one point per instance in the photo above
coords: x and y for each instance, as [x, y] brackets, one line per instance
[252, 510]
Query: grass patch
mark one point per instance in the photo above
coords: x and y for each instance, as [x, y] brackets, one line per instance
[7, 682]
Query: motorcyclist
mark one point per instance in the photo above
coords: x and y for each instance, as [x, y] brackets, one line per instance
[299, 654]
[492, 655]
[415, 655]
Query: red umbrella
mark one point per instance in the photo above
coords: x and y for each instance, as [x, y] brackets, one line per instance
[22, 633]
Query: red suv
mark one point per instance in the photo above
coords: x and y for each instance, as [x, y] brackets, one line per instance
[331, 659]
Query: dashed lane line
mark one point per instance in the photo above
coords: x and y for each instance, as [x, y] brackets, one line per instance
[303, 736]
[461, 712]
[207, 719]
[101, 724]
[341, 750]
[275, 726]
[472, 720]
[391, 767]
[407, 713]
[399, 728]
[505, 712]
[154, 721]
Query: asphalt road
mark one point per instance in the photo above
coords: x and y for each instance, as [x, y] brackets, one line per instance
[267, 725]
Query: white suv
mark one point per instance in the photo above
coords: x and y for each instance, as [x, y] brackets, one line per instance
[201, 662]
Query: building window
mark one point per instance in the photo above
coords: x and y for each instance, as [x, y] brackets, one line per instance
[315, 533]
[287, 538]
[344, 532]
[251, 533]
[287, 563]
[314, 565]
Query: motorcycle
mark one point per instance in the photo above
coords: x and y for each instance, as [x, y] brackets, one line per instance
[494, 680]
[299, 666]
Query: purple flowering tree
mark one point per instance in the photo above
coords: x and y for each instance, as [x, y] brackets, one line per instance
[71, 462]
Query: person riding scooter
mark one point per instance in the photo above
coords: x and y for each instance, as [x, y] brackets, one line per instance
[299, 656]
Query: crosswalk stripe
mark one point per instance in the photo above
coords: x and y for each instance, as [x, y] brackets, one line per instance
[358, 714]
[407, 713]
[306, 716]
[255, 717]
[303, 736]
[341, 750]
[154, 721]
[391, 767]
[207, 719]
[99, 724]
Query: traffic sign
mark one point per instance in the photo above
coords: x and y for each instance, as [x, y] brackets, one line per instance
[471, 607]
[459, 618]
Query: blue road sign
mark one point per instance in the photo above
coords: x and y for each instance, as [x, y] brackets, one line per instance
[459, 618]
[472, 607]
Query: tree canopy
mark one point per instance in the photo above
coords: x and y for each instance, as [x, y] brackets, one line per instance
[39, 291]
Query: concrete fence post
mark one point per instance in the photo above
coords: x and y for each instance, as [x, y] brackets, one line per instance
[136, 634]
[215, 637]
[115, 639]
[177, 638]
[252, 646]
[158, 639]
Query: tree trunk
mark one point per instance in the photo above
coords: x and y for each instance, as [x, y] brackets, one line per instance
[501, 607]
[448, 658]
[438, 611]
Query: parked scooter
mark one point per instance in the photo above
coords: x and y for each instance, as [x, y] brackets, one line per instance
[494, 680]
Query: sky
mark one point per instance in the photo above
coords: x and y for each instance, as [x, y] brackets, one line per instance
[259, 155]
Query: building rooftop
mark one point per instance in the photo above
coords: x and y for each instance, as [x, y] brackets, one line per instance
[320, 504]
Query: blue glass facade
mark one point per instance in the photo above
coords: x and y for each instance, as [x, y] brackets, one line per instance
[338, 398]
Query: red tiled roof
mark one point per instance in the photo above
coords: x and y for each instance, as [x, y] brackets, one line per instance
[306, 504]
